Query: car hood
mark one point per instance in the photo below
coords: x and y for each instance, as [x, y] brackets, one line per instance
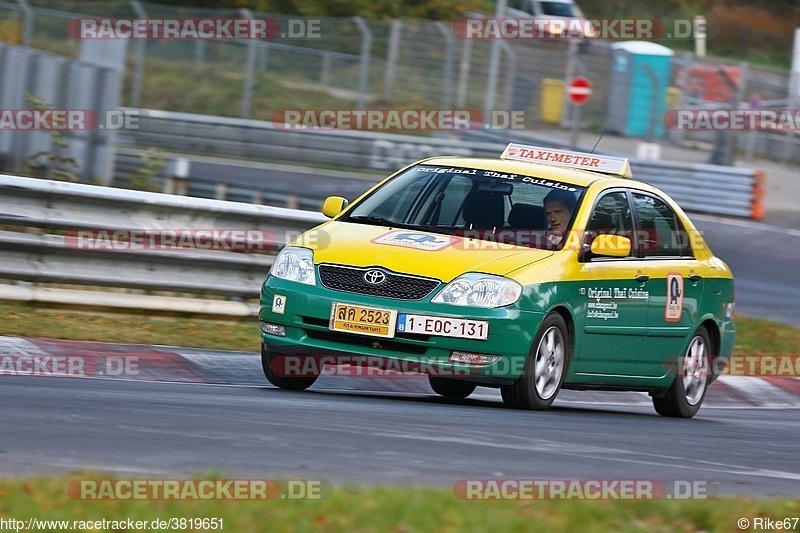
[422, 253]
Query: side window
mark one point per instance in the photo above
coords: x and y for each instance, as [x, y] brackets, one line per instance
[611, 215]
[661, 233]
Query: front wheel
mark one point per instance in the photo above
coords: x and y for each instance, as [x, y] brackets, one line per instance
[272, 365]
[451, 388]
[544, 370]
[687, 392]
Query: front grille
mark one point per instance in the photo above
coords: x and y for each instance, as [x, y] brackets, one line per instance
[397, 286]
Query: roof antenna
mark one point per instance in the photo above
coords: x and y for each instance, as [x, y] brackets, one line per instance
[598, 140]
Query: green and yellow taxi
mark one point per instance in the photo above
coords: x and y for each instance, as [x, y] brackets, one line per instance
[541, 270]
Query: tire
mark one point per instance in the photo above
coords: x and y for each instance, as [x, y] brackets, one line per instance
[687, 392]
[451, 388]
[270, 361]
[545, 368]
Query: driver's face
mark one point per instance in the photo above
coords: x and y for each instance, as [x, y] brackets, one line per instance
[557, 215]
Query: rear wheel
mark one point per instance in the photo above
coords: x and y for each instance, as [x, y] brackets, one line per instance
[272, 363]
[687, 392]
[544, 370]
[451, 388]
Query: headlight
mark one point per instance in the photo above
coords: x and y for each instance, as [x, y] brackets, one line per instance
[295, 264]
[555, 28]
[480, 290]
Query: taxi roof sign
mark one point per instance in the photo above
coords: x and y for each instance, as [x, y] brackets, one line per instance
[617, 166]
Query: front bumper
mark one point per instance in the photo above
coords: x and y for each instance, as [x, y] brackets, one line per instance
[307, 312]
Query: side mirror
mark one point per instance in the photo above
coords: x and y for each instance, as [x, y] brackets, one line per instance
[333, 205]
[611, 246]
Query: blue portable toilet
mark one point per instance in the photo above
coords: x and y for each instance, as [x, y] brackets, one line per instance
[639, 79]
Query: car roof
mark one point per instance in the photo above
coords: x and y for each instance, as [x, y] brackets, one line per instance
[580, 178]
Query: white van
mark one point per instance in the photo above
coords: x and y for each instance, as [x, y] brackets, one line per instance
[553, 10]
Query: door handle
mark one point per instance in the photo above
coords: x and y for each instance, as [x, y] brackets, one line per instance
[694, 278]
[642, 278]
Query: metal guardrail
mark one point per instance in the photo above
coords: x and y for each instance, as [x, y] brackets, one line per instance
[240, 181]
[62, 205]
[60, 212]
[711, 189]
[254, 140]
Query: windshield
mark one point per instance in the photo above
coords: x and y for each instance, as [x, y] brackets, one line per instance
[482, 204]
[560, 9]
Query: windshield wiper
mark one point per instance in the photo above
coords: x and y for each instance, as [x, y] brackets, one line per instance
[436, 229]
[377, 220]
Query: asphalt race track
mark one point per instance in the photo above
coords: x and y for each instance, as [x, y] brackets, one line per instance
[148, 428]
[764, 260]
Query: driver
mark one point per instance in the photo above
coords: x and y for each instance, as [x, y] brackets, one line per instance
[558, 208]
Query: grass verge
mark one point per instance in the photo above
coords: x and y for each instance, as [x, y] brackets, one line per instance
[398, 509]
[25, 320]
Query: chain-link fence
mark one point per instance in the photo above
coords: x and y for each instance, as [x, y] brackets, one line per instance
[354, 63]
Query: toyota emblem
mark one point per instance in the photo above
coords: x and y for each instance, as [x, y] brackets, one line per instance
[374, 277]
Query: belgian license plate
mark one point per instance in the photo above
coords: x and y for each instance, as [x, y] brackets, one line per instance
[363, 320]
[443, 326]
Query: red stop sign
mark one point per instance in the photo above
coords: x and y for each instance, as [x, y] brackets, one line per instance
[579, 90]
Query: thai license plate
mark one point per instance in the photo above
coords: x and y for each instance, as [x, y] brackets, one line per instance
[443, 326]
[363, 320]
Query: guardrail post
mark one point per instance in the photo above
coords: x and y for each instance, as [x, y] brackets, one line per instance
[138, 69]
[391, 59]
[448, 63]
[177, 174]
[363, 70]
[325, 69]
[221, 191]
[249, 76]
[200, 52]
[27, 23]
[263, 56]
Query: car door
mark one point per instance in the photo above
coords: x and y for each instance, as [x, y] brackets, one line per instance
[615, 310]
[676, 283]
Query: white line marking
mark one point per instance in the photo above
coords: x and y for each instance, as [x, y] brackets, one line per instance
[762, 390]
